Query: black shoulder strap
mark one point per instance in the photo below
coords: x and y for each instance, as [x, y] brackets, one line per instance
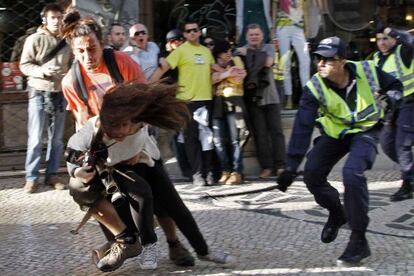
[52, 53]
[79, 83]
[97, 139]
[112, 66]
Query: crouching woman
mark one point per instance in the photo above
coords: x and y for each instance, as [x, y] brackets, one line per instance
[117, 140]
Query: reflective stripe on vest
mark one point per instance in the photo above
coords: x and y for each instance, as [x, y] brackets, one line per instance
[395, 66]
[336, 118]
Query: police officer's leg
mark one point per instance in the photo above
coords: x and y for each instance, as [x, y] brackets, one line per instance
[404, 143]
[324, 155]
[361, 158]
[320, 161]
[388, 141]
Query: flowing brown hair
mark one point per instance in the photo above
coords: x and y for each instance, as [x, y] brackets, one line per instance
[154, 104]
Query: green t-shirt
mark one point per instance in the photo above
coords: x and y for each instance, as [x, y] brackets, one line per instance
[194, 71]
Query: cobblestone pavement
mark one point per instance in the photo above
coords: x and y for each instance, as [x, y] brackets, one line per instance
[269, 232]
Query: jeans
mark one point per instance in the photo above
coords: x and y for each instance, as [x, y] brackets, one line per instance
[55, 121]
[221, 128]
[293, 35]
[268, 135]
[326, 152]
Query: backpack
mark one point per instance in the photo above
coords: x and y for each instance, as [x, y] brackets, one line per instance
[79, 83]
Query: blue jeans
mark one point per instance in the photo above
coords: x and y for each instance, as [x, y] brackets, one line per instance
[222, 127]
[37, 116]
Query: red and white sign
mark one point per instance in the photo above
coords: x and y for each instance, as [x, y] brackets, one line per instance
[11, 76]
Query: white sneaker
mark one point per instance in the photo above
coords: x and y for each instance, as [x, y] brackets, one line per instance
[148, 258]
[218, 257]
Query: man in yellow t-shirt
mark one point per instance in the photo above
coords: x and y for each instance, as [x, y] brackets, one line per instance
[194, 62]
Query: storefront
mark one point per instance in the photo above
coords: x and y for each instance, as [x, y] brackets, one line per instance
[349, 19]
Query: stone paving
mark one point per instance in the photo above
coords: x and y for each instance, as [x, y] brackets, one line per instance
[269, 232]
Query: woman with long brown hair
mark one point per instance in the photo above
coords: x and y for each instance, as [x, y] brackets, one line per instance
[123, 121]
[97, 74]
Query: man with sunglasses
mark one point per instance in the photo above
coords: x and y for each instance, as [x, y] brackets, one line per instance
[116, 36]
[344, 99]
[397, 136]
[194, 62]
[144, 52]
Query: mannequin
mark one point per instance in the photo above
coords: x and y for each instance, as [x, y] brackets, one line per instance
[289, 19]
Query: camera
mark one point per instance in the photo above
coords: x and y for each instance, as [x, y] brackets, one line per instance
[90, 158]
[111, 187]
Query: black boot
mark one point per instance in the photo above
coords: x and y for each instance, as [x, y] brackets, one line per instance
[355, 251]
[405, 192]
[335, 220]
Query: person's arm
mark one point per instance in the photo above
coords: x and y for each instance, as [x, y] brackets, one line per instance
[390, 93]
[28, 64]
[235, 74]
[129, 69]
[300, 139]
[81, 141]
[389, 85]
[302, 130]
[407, 46]
[274, 18]
[270, 52]
[164, 67]
[74, 103]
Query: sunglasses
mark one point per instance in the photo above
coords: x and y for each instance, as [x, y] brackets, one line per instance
[326, 59]
[211, 44]
[140, 33]
[194, 30]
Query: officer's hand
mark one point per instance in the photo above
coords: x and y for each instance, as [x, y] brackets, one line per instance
[285, 179]
[85, 174]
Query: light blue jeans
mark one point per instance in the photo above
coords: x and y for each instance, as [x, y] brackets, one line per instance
[226, 128]
[293, 36]
[41, 110]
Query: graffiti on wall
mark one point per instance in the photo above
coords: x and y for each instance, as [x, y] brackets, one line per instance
[217, 16]
[106, 11]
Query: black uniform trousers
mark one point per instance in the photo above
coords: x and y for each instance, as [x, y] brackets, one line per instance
[361, 149]
[397, 140]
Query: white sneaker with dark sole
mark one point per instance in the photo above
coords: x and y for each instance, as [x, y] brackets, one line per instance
[148, 257]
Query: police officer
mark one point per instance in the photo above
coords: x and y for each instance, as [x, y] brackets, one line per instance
[397, 138]
[343, 100]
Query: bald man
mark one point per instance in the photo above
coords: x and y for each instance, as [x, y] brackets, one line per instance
[144, 52]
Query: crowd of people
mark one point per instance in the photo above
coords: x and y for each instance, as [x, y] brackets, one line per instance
[213, 96]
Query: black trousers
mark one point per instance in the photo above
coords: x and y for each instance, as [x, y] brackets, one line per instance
[200, 161]
[397, 140]
[326, 152]
[268, 135]
[141, 208]
[168, 202]
[136, 211]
